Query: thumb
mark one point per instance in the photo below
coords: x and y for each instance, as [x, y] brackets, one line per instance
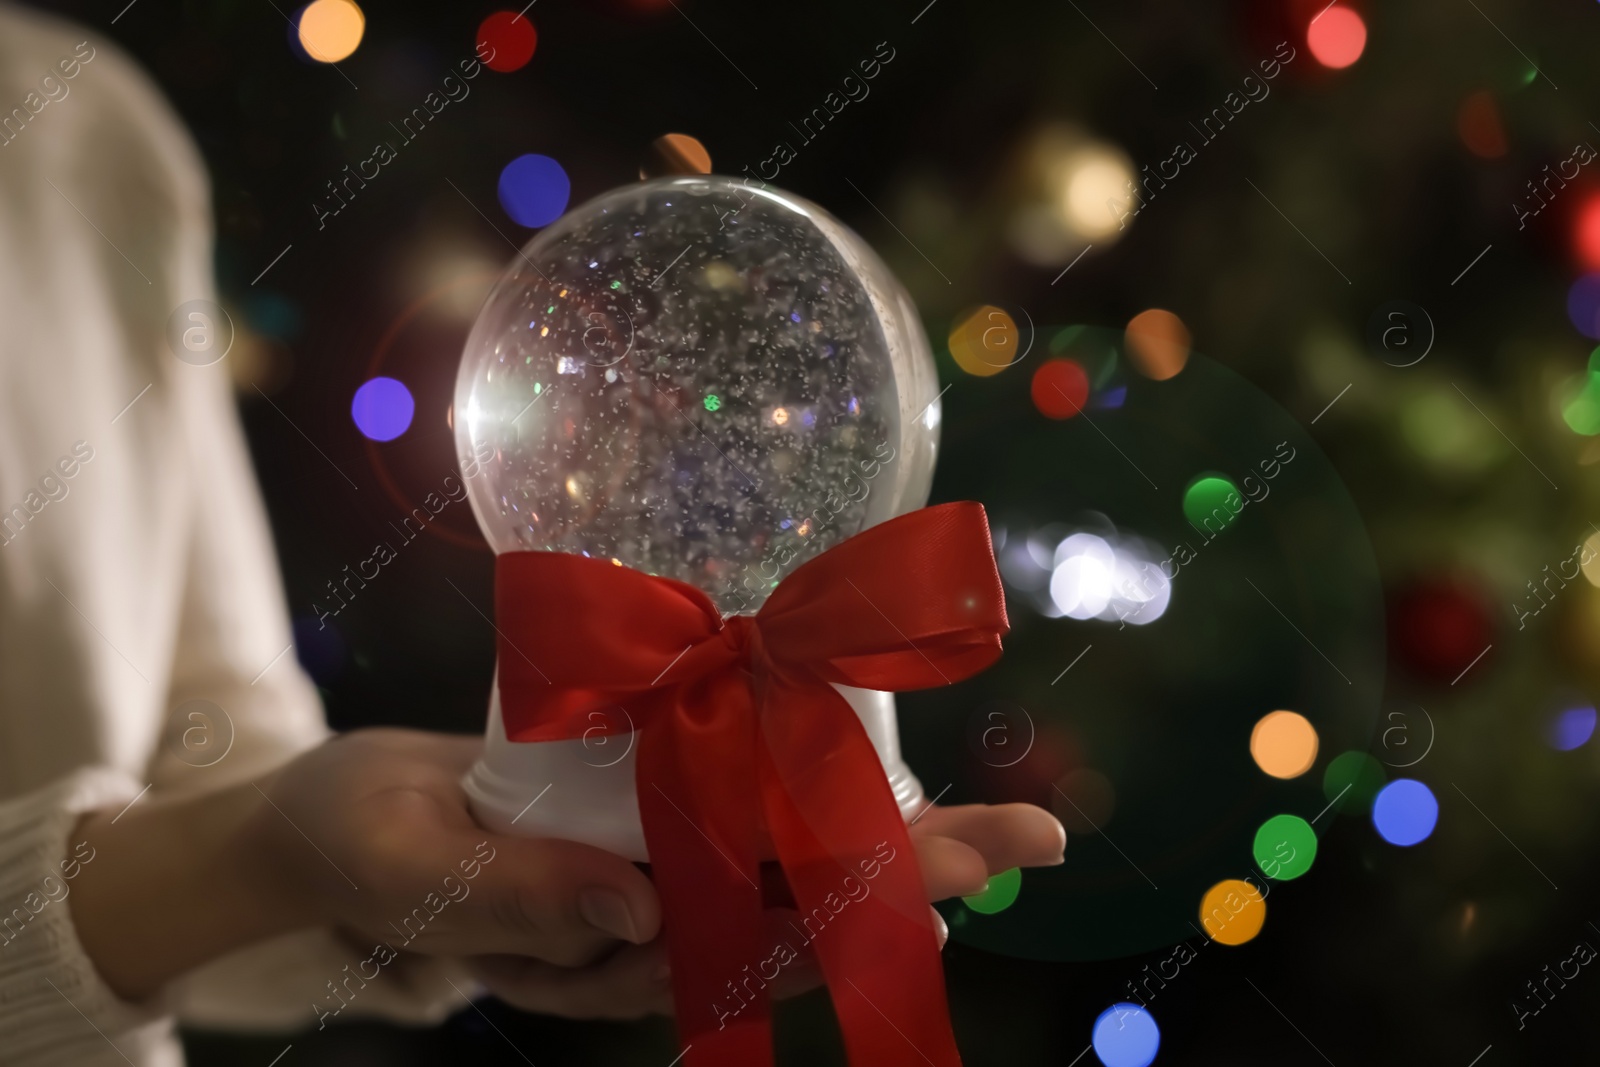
[560, 901]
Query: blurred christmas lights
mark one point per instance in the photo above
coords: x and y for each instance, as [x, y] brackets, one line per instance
[534, 190]
[1233, 912]
[999, 895]
[1336, 37]
[675, 153]
[1352, 780]
[984, 343]
[331, 30]
[1478, 123]
[1572, 729]
[507, 39]
[1126, 1035]
[1284, 744]
[1285, 847]
[1060, 388]
[382, 409]
[1157, 343]
[1405, 812]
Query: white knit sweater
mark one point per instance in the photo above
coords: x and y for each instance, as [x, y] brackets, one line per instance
[142, 579]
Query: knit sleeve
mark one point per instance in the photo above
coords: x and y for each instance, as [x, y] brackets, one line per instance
[54, 1007]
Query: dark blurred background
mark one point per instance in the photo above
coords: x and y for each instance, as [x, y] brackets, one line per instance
[1445, 470]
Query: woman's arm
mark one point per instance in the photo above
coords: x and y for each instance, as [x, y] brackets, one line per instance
[369, 833]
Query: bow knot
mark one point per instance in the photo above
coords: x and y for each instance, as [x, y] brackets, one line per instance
[746, 748]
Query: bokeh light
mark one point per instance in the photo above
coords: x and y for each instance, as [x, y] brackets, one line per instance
[1478, 123]
[1580, 403]
[1157, 343]
[1336, 37]
[1284, 744]
[1586, 235]
[1206, 502]
[1583, 305]
[1001, 894]
[331, 30]
[1405, 812]
[509, 39]
[1571, 729]
[1232, 912]
[1126, 1035]
[1060, 388]
[675, 153]
[1074, 573]
[1352, 780]
[1084, 800]
[534, 190]
[1591, 549]
[382, 409]
[984, 343]
[1081, 585]
[1092, 180]
[1285, 847]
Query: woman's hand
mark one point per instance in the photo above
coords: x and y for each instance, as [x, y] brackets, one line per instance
[368, 833]
[958, 849]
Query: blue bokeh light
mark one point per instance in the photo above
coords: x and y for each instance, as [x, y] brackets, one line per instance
[1126, 1035]
[1572, 728]
[1583, 305]
[534, 190]
[1405, 812]
[382, 409]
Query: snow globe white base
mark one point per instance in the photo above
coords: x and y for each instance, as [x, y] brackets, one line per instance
[584, 790]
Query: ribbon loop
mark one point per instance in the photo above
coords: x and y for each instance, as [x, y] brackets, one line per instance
[746, 751]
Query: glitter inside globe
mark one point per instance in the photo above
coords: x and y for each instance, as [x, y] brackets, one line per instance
[698, 377]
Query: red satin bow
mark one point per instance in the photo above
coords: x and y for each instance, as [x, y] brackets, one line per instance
[745, 748]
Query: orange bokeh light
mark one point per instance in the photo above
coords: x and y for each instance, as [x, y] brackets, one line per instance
[1232, 912]
[1337, 37]
[1157, 343]
[1284, 744]
[331, 30]
[984, 343]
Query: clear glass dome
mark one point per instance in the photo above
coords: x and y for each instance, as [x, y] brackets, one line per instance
[699, 378]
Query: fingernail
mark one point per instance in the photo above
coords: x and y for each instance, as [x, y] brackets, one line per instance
[941, 929]
[607, 911]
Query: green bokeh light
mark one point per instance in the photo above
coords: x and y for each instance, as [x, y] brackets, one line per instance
[1364, 776]
[1285, 847]
[713, 402]
[1001, 894]
[1580, 401]
[1206, 503]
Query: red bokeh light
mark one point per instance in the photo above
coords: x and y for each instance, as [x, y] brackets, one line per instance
[509, 39]
[1478, 123]
[1586, 234]
[1337, 37]
[1060, 388]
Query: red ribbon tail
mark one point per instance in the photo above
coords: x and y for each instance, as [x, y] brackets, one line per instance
[703, 836]
[850, 862]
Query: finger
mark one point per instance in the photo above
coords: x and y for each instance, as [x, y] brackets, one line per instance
[1008, 835]
[630, 984]
[559, 901]
[950, 868]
